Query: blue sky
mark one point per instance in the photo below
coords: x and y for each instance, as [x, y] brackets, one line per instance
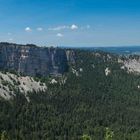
[70, 22]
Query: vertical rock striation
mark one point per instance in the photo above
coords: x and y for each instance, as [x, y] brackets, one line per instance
[33, 60]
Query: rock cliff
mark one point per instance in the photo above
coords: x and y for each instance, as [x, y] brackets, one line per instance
[33, 60]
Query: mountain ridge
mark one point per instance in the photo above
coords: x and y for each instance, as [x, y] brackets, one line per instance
[33, 60]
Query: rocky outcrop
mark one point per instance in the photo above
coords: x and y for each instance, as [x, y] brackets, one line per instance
[33, 60]
[132, 65]
[10, 84]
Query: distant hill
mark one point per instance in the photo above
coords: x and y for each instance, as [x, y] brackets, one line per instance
[124, 50]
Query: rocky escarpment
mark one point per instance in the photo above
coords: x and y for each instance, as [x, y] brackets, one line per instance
[132, 65]
[34, 61]
[10, 84]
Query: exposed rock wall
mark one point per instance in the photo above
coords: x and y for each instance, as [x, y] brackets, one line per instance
[34, 61]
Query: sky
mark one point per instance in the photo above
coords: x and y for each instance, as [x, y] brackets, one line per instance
[77, 23]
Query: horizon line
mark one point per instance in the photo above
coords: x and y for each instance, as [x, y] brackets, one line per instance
[72, 46]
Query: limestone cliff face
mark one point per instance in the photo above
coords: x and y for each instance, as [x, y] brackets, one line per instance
[34, 61]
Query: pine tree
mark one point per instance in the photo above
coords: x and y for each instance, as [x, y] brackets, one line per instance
[86, 137]
[109, 134]
[4, 136]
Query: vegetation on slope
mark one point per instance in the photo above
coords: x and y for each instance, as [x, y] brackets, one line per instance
[90, 105]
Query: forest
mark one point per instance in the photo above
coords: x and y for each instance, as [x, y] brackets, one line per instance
[87, 105]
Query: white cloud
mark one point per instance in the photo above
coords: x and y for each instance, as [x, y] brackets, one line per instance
[28, 29]
[10, 39]
[74, 27]
[9, 33]
[88, 26]
[39, 29]
[59, 28]
[59, 35]
[85, 27]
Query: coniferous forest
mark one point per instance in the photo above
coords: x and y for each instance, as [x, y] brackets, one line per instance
[87, 105]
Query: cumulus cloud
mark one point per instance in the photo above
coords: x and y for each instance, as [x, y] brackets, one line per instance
[9, 33]
[85, 27]
[59, 35]
[88, 26]
[28, 29]
[74, 27]
[39, 29]
[58, 28]
[10, 39]
[69, 27]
